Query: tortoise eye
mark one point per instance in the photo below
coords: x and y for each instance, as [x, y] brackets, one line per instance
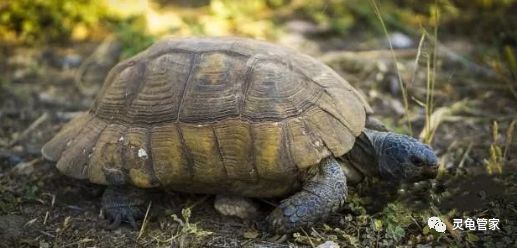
[416, 161]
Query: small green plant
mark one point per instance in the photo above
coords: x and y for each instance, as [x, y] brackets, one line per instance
[497, 154]
[337, 15]
[187, 229]
[394, 220]
[248, 18]
[132, 35]
[306, 239]
[494, 164]
[431, 77]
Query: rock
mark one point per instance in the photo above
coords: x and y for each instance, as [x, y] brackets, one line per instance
[240, 207]
[328, 244]
[399, 40]
[71, 61]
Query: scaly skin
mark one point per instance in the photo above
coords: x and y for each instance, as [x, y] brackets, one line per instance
[388, 155]
[123, 204]
[321, 195]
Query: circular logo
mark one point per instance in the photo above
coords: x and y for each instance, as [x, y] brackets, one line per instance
[436, 224]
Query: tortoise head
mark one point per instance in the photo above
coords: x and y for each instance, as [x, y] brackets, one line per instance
[401, 157]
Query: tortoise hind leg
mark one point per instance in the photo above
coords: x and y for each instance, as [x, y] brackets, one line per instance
[321, 195]
[123, 204]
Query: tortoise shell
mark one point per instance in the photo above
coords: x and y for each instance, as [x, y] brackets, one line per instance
[212, 115]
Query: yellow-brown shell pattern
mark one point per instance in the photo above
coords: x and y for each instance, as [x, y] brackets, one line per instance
[212, 115]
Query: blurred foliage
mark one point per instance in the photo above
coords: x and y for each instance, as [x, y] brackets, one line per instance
[249, 18]
[498, 152]
[31, 21]
[336, 15]
[253, 18]
[132, 35]
[34, 21]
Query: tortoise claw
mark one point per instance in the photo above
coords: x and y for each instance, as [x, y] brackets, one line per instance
[116, 222]
[121, 214]
[122, 205]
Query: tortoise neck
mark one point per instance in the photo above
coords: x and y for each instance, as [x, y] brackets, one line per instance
[364, 155]
[376, 139]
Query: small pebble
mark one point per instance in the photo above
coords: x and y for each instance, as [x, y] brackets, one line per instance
[328, 244]
[400, 40]
[71, 61]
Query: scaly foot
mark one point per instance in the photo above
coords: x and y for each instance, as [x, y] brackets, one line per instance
[123, 204]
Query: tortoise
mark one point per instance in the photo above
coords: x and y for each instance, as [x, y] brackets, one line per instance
[234, 117]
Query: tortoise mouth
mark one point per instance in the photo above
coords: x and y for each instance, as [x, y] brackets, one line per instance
[425, 173]
[413, 174]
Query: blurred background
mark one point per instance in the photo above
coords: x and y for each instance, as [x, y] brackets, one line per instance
[443, 71]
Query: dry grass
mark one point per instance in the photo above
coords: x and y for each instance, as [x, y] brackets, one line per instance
[402, 85]
[498, 153]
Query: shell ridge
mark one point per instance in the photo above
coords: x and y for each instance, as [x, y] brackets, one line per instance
[188, 153]
[79, 134]
[344, 122]
[50, 146]
[73, 142]
[253, 152]
[124, 142]
[93, 147]
[250, 67]
[149, 162]
[218, 145]
[134, 86]
[194, 61]
[286, 144]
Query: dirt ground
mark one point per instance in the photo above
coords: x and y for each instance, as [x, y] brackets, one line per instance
[39, 207]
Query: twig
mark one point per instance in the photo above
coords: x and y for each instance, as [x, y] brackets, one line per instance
[417, 57]
[25, 168]
[144, 222]
[309, 237]
[199, 202]
[47, 234]
[82, 241]
[44, 117]
[46, 218]
[465, 155]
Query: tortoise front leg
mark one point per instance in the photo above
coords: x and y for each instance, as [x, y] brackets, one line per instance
[321, 195]
[123, 204]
